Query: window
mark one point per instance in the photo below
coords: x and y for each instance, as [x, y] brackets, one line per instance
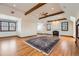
[64, 26]
[4, 26]
[48, 27]
[7, 26]
[12, 26]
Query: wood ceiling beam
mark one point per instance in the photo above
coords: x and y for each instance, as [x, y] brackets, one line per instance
[57, 13]
[34, 8]
[58, 19]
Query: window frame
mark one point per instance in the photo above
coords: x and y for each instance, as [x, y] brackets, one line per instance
[66, 26]
[8, 26]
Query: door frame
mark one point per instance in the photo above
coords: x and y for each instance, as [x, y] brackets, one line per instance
[76, 42]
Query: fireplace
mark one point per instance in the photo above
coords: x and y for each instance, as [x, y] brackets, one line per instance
[55, 33]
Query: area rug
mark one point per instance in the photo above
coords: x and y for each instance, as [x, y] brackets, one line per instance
[44, 44]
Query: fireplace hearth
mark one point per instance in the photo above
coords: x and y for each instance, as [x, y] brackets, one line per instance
[55, 33]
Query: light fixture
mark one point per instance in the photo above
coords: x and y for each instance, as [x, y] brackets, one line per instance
[52, 8]
[55, 23]
[12, 12]
[14, 5]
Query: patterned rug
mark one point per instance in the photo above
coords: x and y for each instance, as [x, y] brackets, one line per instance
[43, 43]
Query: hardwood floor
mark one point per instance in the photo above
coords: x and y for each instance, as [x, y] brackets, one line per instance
[14, 46]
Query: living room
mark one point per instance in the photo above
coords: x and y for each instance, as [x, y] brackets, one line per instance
[21, 22]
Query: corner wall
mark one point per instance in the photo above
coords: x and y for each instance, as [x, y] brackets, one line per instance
[12, 33]
[57, 26]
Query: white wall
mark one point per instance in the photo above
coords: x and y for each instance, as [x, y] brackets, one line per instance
[6, 17]
[26, 26]
[42, 28]
[73, 19]
[70, 28]
[57, 26]
[4, 34]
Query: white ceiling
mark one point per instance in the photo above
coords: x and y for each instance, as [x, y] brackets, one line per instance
[22, 7]
[71, 9]
[48, 8]
[6, 8]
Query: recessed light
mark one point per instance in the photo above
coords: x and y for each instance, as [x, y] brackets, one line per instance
[52, 8]
[14, 5]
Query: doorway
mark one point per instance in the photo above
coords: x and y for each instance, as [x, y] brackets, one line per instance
[77, 33]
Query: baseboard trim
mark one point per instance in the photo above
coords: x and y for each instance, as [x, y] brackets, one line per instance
[9, 36]
[67, 36]
[26, 36]
[34, 35]
[43, 34]
[18, 36]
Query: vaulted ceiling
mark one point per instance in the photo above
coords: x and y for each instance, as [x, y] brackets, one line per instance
[46, 9]
[24, 7]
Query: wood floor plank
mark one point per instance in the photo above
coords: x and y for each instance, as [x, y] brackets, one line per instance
[16, 46]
